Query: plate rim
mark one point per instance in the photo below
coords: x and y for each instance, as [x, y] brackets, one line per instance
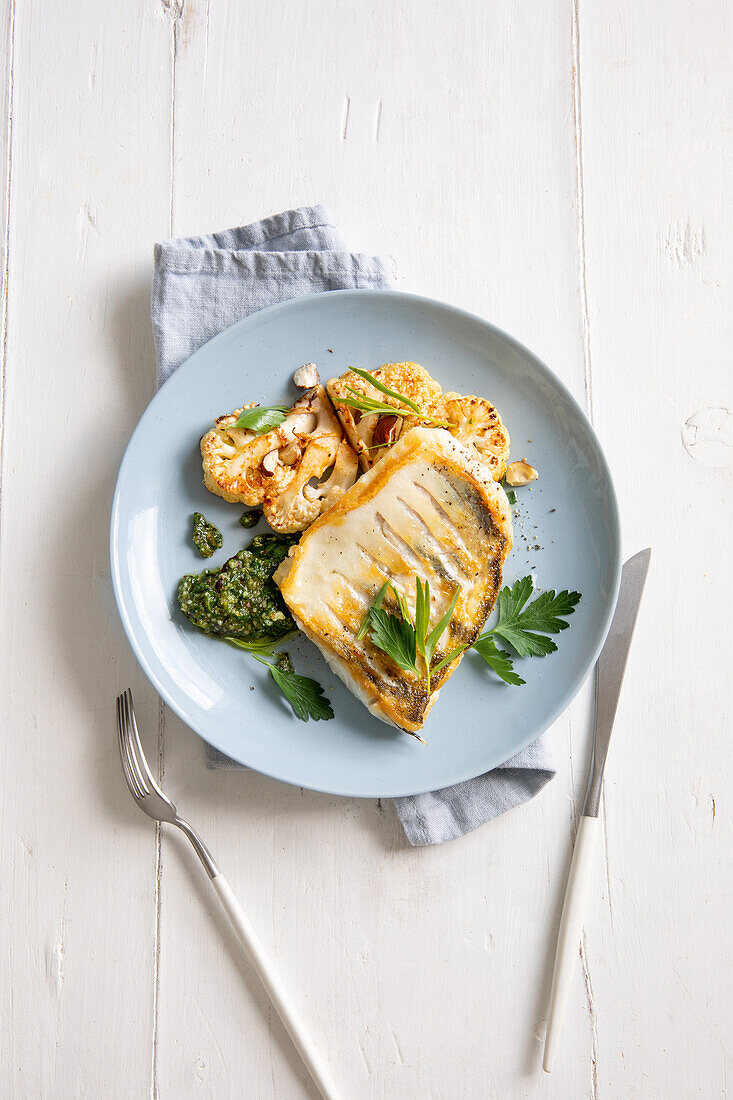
[421, 300]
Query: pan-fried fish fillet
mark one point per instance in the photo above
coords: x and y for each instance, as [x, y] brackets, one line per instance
[428, 509]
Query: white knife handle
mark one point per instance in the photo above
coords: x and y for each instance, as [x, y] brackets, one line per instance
[275, 990]
[571, 927]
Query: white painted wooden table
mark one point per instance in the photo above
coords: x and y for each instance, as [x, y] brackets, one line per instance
[562, 168]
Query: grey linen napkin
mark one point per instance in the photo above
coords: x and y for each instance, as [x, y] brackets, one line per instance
[202, 285]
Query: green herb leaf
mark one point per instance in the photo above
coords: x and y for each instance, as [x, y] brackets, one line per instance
[366, 404]
[402, 605]
[422, 612]
[439, 629]
[422, 624]
[376, 603]
[525, 628]
[510, 494]
[304, 694]
[395, 637]
[498, 659]
[385, 389]
[262, 645]
[449, 657]
[261, 418]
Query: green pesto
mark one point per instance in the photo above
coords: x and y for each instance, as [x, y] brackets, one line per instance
[206, 537]
[283, 662]
[241, 600]
[251, 519]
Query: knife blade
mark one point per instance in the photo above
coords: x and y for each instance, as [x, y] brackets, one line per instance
[610, 671]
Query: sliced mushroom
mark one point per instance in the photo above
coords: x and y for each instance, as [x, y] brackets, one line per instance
[307, 376]
[292, 453]
[270, 462]
[387, 431]
[520, 473]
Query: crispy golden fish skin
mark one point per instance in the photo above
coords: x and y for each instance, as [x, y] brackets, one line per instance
[430, 509]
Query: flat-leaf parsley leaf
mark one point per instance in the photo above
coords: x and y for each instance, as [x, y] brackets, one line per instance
[525, 626]
[304, 694]
[498, 659]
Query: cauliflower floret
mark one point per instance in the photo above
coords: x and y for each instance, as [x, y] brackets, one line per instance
[284, 470]
[370, 434]
[233, 460]
[475, 421]
[321, 479]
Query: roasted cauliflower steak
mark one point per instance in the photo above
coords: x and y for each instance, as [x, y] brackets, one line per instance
[471, 420]
[294, 472]
[475, 422]
[371, 435]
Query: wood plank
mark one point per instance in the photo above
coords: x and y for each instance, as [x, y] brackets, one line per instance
[657, 89]
[449, 144]
[89, 190]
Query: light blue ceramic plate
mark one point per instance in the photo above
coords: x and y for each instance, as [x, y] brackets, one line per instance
[566, 531]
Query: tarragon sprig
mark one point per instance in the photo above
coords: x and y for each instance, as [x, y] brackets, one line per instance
[426, 642]
[260, 645]
[366, 404]
[404, 640]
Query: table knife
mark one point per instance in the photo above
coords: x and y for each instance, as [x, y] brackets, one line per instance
[609, 677]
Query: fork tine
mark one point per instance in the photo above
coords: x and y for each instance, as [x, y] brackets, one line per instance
[139, 752]
[128, 758]
[139, 769]
[132, 786]
[135, 788]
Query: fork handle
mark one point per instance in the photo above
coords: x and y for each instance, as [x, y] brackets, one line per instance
[275, 990]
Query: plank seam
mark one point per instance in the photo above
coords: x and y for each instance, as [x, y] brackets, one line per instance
[6, 232]
[580, 205]
[175, 11]
[175, 15]
[154, 1090]
[593, 1018]
[588, 378]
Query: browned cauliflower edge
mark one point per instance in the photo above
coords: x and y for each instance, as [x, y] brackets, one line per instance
[475, 421]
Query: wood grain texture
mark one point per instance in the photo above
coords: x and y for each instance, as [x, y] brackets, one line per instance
[656, 90]
[469, 181]
[89, 122]
[562, 169]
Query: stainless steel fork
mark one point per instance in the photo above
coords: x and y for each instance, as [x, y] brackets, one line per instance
[150, 798]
